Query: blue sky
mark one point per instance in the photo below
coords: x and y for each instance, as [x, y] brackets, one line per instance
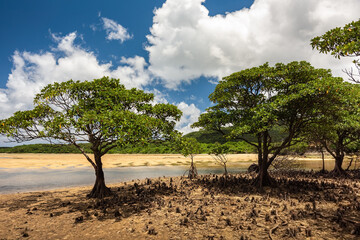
[178, 49]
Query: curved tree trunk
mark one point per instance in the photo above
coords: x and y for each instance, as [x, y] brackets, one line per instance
[99, 190]
[338, 170]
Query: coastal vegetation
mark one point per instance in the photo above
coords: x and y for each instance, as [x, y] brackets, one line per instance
[292, 97]
[342, 42]
[101, 112]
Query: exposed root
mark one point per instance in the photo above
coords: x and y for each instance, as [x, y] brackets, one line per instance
[100, 191]
[272, 230]
[263, 181]
[338, 172]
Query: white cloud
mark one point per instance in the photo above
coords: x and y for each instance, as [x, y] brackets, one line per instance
[159, 97]
[32, 71]
[115, 31]
[190, 112]
[190, 115]
[186, 43]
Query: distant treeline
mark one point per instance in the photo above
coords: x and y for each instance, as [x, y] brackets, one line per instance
[207, 140]
[151, 148]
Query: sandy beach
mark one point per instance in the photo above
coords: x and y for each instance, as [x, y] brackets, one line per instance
[56, 161]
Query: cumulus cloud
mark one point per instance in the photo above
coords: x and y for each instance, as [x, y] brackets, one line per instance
[32, 71]
[190, 115]
[114, 30]
[186, 43]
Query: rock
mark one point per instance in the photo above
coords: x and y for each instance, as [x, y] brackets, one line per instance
[253, 168]
[79, 219]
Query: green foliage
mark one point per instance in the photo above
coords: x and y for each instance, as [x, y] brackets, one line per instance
[45, 148]
[188, 146]
[207, 136]
[166, 147]
[219, 149]
[338, 127]
[264, 100]
[101, 112]
[340, 41]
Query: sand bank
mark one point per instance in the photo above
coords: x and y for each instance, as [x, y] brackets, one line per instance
[56, 161]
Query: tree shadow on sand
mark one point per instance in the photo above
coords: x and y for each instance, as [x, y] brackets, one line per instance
[315, 200]
[126, 200]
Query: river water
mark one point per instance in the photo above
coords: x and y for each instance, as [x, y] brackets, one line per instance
[24, 180]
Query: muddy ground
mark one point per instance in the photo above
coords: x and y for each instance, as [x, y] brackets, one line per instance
[302, 206]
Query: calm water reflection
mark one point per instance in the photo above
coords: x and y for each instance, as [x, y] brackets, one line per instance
[23, 180]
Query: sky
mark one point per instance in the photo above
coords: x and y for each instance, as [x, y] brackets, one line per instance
[176, 49]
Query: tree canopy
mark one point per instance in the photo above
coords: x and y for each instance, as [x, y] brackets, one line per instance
[338, 125]
[102, 112]
[255, 100]
[341, 42]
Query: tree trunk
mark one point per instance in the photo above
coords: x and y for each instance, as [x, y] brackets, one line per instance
[225, 170]
[338, 170]
[351, 161]
[323, 158]
[263, 178]
[99, 190]
[192, 171]
[323, 161]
